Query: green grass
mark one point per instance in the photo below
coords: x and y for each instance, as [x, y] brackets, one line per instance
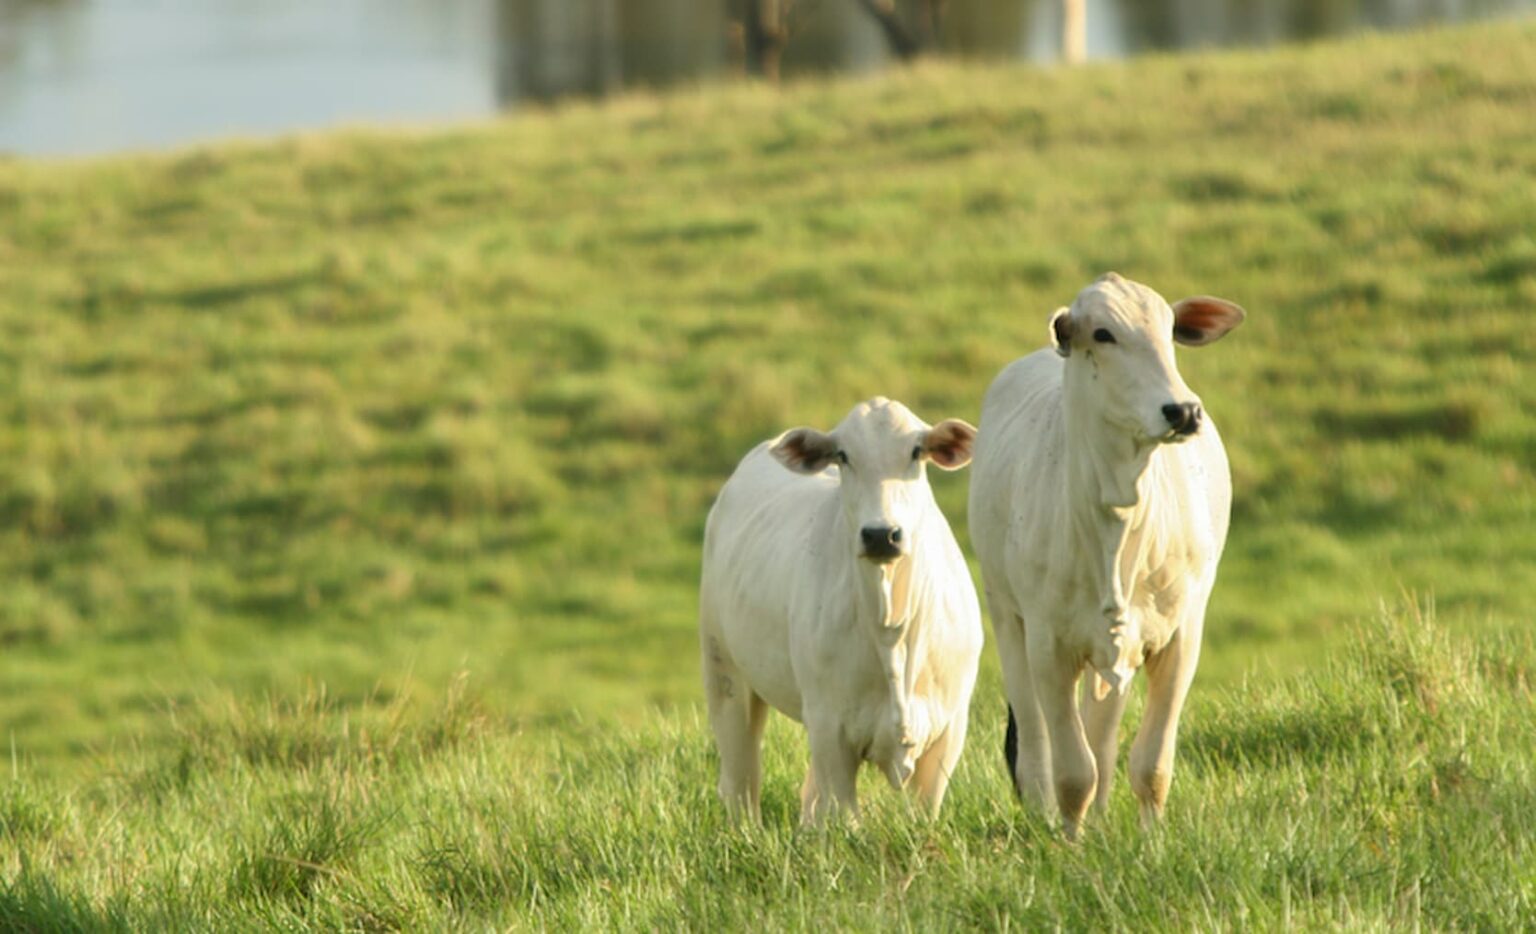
[292, 433]
[1389, 786]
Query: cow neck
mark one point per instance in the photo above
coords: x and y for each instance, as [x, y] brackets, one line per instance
[1106, 469]
[890, 597]
[895, 595]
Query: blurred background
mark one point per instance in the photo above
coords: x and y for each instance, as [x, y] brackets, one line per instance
[94, 76]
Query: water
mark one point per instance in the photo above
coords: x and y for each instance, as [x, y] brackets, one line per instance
[91, 76]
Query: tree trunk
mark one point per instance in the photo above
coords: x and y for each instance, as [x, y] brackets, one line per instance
[763, 37]
[1074, 31]
[928, 20]
[897, 35]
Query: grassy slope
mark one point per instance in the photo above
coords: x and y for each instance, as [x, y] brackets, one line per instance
[369, 409]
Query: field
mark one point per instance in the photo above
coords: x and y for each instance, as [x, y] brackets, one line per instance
[351, 488]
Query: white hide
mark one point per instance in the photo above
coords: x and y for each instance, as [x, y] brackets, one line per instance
[876, 659]
[1098, 529]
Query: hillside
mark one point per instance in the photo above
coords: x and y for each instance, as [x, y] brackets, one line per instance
[368, 409]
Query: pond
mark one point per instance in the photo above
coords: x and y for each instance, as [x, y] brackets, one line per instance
[91, 76]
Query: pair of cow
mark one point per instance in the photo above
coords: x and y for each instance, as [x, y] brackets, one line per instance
[834, 591]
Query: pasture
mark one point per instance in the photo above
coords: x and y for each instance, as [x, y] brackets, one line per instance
[351, 488]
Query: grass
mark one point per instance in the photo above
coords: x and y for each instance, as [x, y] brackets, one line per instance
[1389, 786]
[293, 433]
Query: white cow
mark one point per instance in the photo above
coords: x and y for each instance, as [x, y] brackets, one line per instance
[834, 591]
[1099, 506]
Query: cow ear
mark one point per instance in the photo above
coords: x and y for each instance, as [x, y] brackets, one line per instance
[948, 444]
[1061, 331]
[805, 450]
[1201, 319]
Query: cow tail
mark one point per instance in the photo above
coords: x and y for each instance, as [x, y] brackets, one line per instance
[1011, 751]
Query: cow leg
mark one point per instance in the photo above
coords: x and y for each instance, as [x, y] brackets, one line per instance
[1026, 748]
[737, 716]
[808, 794]
[1101, 723]
[931, 777]
[1055, 681]
[1169, 674]
[831, 787]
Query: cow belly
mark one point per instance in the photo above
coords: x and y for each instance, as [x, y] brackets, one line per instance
[760, 651]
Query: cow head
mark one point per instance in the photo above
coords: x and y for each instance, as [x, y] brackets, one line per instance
[881, 452]
[1118, 339]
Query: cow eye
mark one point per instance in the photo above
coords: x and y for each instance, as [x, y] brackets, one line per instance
[842, 457]
[917, 452]
[1103, 336]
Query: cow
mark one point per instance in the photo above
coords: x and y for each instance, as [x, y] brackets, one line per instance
[1099, 504]
[833, 591]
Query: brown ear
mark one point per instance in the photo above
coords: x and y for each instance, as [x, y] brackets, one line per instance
[1201, 319]
[805, 450]
[948, 444]
[1061, 332]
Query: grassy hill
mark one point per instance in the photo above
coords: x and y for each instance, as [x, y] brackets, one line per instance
[294, 434]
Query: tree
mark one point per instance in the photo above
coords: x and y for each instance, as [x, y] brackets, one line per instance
[911, 28]
[765, 29]
[910, 31]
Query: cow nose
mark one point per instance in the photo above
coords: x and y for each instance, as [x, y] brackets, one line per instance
[1183, 417]
[881, 542]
